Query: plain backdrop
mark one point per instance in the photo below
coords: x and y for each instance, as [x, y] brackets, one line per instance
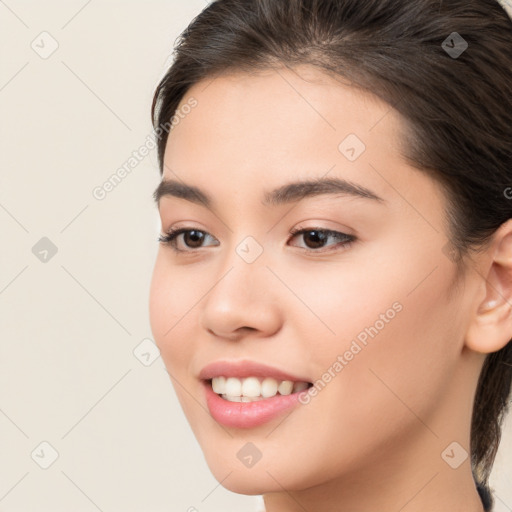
[88, 417]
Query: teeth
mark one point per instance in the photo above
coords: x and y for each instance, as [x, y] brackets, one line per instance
[219, 385]
[241, 398]
[300, 386]
[251, 389]
[269, 387]
[233, 387]
[285, 387]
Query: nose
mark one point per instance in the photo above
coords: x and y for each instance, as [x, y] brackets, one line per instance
[243, 301]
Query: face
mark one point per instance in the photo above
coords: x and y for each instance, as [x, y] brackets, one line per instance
[360, 303]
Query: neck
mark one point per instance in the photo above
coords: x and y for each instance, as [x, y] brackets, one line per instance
[405, 489]
[421, 471]
[424, 472]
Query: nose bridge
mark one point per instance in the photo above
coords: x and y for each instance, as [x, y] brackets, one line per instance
[244, 268]
[242, 295]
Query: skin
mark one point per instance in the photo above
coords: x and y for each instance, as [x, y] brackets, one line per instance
[372, 438]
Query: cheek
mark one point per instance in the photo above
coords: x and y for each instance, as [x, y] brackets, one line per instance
[396, 359]
[159, 296]
[396, 329]
[333, 305]
[171, 305]
[172, 320]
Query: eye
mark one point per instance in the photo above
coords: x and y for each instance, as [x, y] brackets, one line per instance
[193, 238]
[316, 237]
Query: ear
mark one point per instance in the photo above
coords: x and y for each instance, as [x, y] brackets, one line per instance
[491, 327]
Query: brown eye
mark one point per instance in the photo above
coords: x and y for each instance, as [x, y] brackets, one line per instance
[192, 238]
[315, 238]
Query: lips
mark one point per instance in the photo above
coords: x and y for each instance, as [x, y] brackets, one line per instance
[248, 414]
[246, 368]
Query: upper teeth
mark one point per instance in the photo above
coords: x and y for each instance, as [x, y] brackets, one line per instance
[252, 387]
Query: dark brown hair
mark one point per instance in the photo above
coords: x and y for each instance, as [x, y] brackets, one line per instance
[457, 109]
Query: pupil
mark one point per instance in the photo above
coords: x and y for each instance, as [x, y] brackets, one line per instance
[318, 235]
[194, 235]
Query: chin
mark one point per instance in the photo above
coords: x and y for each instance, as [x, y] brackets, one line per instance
[265, 476]
[247, 481]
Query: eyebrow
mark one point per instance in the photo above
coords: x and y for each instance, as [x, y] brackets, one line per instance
[288, 193]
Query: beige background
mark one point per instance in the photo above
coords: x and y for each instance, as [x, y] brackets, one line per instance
[76, 343]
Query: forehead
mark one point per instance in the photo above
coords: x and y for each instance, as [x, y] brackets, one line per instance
[254, 131]
[284, 107]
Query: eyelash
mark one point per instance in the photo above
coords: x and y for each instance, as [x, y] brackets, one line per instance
[170, 237]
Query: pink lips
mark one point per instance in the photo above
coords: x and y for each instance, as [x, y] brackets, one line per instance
[247, 414]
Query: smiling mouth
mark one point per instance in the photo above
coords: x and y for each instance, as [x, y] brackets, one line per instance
[252, 389]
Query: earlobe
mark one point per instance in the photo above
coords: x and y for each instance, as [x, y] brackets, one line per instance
[491, 326]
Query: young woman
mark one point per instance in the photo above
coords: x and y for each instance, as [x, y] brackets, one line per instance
[332, 296]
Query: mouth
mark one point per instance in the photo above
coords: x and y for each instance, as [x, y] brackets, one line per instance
[247, 394]
[254, 388]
